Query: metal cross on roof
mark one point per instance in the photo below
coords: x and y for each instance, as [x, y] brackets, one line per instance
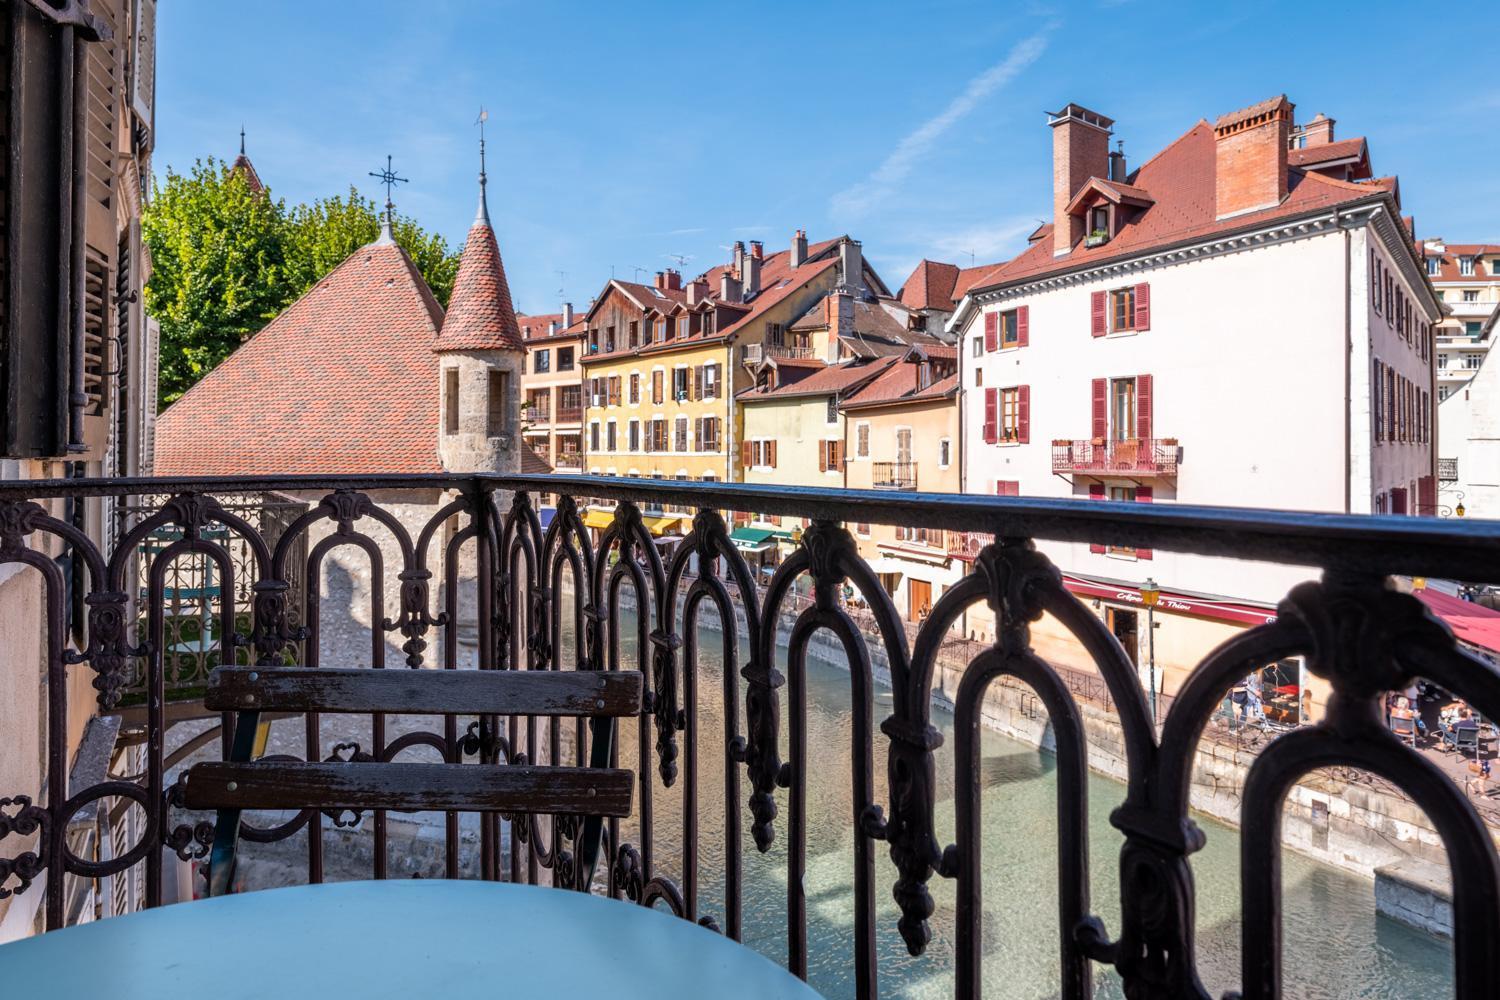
[389, 179]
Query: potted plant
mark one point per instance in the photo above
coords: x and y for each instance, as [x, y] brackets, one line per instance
[1096, 237]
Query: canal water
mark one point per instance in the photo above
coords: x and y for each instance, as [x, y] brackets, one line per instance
[1336, 945]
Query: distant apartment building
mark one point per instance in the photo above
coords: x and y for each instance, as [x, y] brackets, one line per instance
[552, 402]
[1242, 320]
[1466, 277]
[664, 363]
[795, 430]
[79, 391]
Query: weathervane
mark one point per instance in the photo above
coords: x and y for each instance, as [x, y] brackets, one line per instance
[389, 179]
[484, 116]
[242, 140]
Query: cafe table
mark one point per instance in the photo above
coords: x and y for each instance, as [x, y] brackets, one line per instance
[408, 938]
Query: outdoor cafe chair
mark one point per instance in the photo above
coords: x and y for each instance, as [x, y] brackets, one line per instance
[239, 783]
[1461, 738]
[1405, 728]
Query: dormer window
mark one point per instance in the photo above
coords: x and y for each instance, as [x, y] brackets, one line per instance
[1098, 226]
[1466, 266]
[924, 375]
[1434, 266]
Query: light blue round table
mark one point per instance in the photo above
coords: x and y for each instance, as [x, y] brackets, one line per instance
[408, 939]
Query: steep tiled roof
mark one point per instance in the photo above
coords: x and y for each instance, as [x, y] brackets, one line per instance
[539, 324]
[1310, 156]
[1182, 180]
[898, 384]
[480, 314]
[651, 297]
[930, 286]
[243, 166]
[343, 381]
[533, 464]
[829, 379]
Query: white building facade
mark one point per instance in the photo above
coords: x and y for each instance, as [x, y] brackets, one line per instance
[1207, 336]
[1467, 280]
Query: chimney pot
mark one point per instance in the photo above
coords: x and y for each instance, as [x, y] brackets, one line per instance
[798, 254]
[567, 315]
[852, 266]
[757, 249]
[1080, 150]
[729, 286]
[551, 328]
[697, 291]
[750, 275]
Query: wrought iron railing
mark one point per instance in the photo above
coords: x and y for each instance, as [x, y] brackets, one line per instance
[894, 475]
[1447, 471]
[1355, 630]
[1137, 456]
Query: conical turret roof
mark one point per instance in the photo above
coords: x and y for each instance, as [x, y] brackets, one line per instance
[480, 314]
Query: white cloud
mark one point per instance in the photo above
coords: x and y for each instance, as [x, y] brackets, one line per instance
[988, 243]
[857, 200]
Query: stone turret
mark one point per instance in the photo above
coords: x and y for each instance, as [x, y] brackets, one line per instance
[480, 360]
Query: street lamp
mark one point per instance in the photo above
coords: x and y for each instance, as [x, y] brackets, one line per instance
[1150, 594]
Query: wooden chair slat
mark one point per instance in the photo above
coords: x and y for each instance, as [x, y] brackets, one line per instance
[469, 692]
[410, 787]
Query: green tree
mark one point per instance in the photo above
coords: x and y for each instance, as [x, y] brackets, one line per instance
[322, 235]
[217, 268]
[226, 260]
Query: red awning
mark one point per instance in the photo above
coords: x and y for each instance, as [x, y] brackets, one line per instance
[1473, 623]
[1174, 603]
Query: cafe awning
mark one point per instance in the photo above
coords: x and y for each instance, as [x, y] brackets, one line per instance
[1473, 623]
[659, 526]
[1173, 601]
[752, 539]
[598, 519]
[545, 516]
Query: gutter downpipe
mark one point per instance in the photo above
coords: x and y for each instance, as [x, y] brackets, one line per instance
[1338, 220]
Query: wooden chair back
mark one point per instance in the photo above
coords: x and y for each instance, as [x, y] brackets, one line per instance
[240, 783]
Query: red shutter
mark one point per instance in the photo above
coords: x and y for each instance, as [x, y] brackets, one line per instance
[1023, 326]
[1023, 414]
[991, 415]
[1143, 494]
[771, 460]
[991, 331]
[1398, 500]
[1097, 307]
[1007, 488]
[745, 458]
[1143, 406]
[1101, 409]
[1096, 492]
[1143, 306]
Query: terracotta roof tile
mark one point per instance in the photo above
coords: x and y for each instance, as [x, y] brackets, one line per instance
[1484, 271]
[930, 286]
[1310, 156]
[1182, 179]
[480, 314]
[343, 381]
[830, 379]
[898, 384]
[533, 464]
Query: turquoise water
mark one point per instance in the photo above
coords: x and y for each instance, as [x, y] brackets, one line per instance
[1336, 945]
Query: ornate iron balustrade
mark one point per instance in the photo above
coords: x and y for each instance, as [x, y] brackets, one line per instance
[894, 475]
[1133, 456]
[1354, 630]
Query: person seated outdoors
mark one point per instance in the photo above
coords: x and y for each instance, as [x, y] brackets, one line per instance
[1246, 694]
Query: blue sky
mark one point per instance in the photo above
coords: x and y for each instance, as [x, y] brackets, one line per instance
[621, 135]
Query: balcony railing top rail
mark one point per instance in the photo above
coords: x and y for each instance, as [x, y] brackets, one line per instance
[1362, 636]
[894, 475]
[1145, 456]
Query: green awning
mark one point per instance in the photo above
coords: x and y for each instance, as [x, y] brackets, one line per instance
[750, 539]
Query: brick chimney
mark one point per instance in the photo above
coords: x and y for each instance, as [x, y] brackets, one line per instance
[669, 280]
[739, 259]
[1250, 157]
[750, 272]
[697, 291]
[838, 312]
[852, 265]
[1080, 150]
[757, 249]
[798, 254]
[567, 315]
[1318, 132]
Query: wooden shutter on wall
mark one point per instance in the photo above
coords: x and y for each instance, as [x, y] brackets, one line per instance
[991, 415]
[1375, 281]
[991, 331]
[1143, 406]
[1143, 306]
[1398, 500]
[822, 456]
[745, 457]
[1143, 494]
[771, 453]
[1023, 326]
[1098, 319]
[1023, 414]
[1007, 488]
[1096, 492]
[1100, 410]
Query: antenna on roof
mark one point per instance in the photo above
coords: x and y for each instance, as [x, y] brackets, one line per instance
[638, 269]
[562, 283]
[680, 258]
[971, 256]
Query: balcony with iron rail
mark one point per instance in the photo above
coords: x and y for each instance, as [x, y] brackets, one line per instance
[894, 475]
[549, 596]
[1155, 457]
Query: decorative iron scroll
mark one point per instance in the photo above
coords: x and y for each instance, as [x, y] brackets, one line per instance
[570, 597]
